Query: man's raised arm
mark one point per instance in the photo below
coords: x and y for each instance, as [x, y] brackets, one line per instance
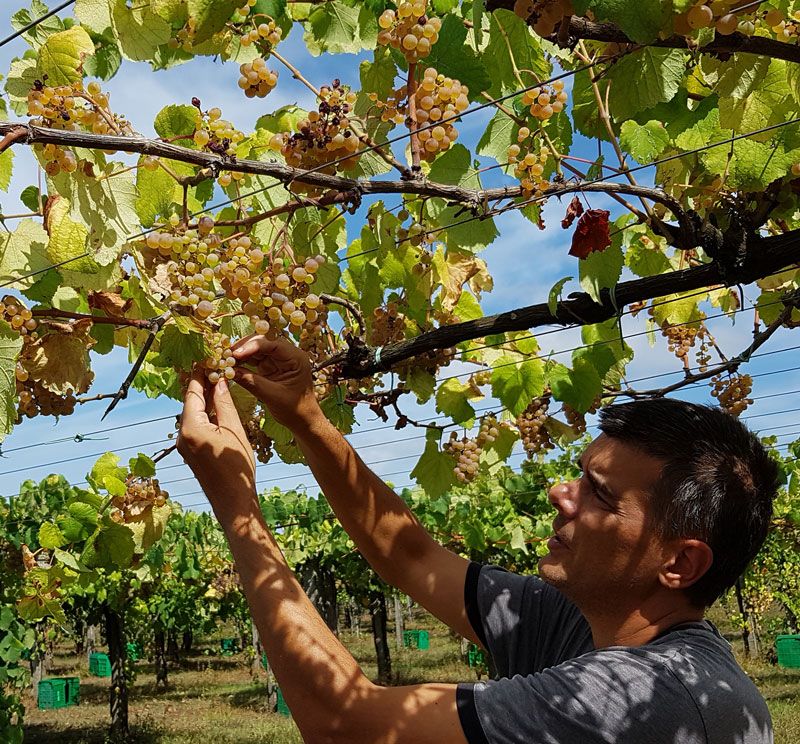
[383, 528]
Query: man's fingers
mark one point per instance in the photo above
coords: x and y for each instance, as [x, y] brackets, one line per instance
[227, 415]
[254, 349]
[194, 402]
[255, 384]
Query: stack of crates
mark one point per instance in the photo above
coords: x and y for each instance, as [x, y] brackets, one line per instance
[99, 665]
[475, 656]
[416, 639]
[228, 646]
[58, 692]
[788, 647]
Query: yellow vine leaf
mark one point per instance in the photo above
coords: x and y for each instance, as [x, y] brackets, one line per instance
[60, 360]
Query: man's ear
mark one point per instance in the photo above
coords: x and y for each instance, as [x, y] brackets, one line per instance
[687, 563]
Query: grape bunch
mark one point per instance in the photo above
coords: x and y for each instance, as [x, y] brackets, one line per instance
[13, 312]
[544, 14]
[732, 392]
[265, 35]
[388, 325]
[141, 496]
[217, 135]
[221, 363]
[324, 137]
[409, 29]
[682, 338]
[532, 427]
[71, 108]
[466, 453]
[256, 78]
[576, 419]
[479, 379]
[225, 582]
[544, 101]
[529, 162]
[259, 441]
[35, 399]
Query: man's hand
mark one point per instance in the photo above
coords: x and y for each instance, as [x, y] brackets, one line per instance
[214, 444]
[281, 380]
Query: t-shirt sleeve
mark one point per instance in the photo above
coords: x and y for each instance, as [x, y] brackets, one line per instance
[524, 623]
[600, 697]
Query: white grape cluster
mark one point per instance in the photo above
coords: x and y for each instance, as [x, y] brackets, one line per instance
[217, 135]
[732, 392]
[71, 108]
[325, 136]
[532, 427]
[409, 29]
[529, 161]
[388, 325]
[544, 101]
[141, 495]
[256, 78]
[467, 451]
[267, 34]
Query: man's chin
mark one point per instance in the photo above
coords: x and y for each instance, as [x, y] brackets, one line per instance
[550, 570]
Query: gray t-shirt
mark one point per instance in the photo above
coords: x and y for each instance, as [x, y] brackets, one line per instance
[554, 687]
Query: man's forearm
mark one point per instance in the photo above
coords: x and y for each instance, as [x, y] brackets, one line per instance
[380, 523]
[315, 671]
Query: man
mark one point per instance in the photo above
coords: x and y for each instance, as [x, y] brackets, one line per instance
[673, 502]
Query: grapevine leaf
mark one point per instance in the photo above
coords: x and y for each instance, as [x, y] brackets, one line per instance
[94, 14]
[21, 77]
[601, 270]
[591, 234]
[761, 107]
[67, 559]
[61, 56]
[139, 31]
[455, 167]
[114, 486]
[176, 120]
[142, 466]
[578, 387]
[644, 142]
[499, 135]
[341, 414]
[148, 527]
[452, 400]
[421, 383]
[6, 166]
[179, 349]
[40, 30]
[209, 16]
[555, 294]
[84, 513]
[676, 309]
[106, 59]
[30, 198]
[516, 383]
[10, 345]
[511, 48]
[60, 361]
[107, 465]
[50, 536]
[68, 239]
[644, 258]
[333, 27]
[740, 76]
[462, 231]
[643, 79]
[434, 470]
[23, 252]
[156, 192]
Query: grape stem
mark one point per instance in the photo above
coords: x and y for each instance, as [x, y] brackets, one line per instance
[731, 365]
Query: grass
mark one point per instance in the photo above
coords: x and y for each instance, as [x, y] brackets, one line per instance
[213, 699]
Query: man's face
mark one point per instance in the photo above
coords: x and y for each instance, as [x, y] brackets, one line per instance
[603, 554]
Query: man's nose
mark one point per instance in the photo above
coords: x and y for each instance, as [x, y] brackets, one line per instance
[564, 497]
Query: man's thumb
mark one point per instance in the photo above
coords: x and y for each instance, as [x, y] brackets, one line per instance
[255, 384]
[225, 408]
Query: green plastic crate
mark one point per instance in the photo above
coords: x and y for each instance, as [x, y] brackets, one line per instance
[423, 640]
[73, 690]
[788, 647]
[281, 706]
[99, 665]
[135, 651]
[229, 646]
[264, 662]
[475, 656]
[52, 694]
[416, 639]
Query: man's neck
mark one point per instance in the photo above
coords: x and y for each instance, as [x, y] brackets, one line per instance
[638, 626]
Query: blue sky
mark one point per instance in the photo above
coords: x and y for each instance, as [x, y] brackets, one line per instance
[525, 263]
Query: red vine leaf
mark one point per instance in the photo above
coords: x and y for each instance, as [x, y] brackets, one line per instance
[575, 209]
[591, 234]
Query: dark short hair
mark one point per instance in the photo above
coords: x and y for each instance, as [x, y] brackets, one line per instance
[717, 484]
